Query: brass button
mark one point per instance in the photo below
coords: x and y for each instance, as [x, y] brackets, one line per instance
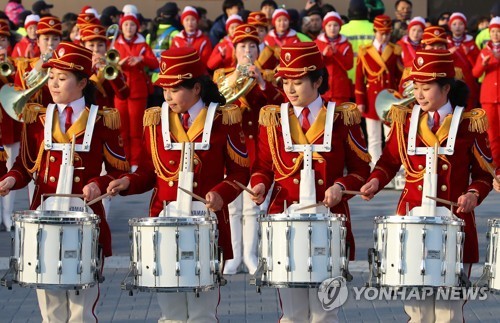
[171, 162]
[77, 158]
[77, 179]
[52, 159]
[170, 183]
[444, 167]
[295, 180]
[196, 162]
[195, 184]
[320, 181]
[320, 161]
[52, 179]
[420, 167]
[444, 188]
[250, 123]
[250, 136]
[294, 159]
[419, 187]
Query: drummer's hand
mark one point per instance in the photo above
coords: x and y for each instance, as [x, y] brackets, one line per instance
[6, 185]
[496, 185]
[91, 191]
[215, 201]
[118, 185]
[333, 195]
[369, 189]
[467, 202]
[259, 191]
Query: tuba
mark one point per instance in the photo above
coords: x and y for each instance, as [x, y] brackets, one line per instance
[389, 97]
[242, 85]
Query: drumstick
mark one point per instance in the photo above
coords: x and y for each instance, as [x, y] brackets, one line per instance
[491, 170]
[353, 192]
[97, 199]
[437, 199]
[310, 206]
[243, 187]
[199, 198]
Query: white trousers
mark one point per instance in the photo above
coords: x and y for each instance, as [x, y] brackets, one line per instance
[185, 307]
[433, 310]
[303, 305]
[373, 130]
[12, 151]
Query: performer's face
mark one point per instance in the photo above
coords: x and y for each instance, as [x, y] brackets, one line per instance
[301, 92]
[64, 86]
[246, 49]
[98, 47]
[282, 24]
[31, 32]
[129, 28]
[262, 32]
[495, 35]
[415, 33]
[190, 24]
[457, 28]
[383, 37]
[4, 42]
[47, 42]
[431, 96]
[232, 28]
[332, 29]
[181, 99]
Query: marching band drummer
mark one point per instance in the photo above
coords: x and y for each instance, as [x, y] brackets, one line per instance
[439, 97]
[304, 79]
[243, 211]
[72, 93]
[188, 90]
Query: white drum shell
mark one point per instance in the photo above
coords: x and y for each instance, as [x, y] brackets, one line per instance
[302, 250]
[493, 254]
[173, 254]
[55, 249]
[418, 251]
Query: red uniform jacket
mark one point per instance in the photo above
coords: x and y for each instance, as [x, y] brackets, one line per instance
[374, 73]
[227, 155]
[199, 41]
[467, 47]
[10, 130]
[337, 64]
[20, 50]
[105, 147]
[408, 51]
[453, 171]
[464, 67]
[216, 59]
[273, 40]
[138, 80]
[490, 91]
[283, 168]
[107, 90]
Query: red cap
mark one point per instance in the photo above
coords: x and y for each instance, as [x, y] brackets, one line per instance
[233, 19]
[189, 11]
[131, 17]
[431, 65]
[296, 60]
[246, 32]
[86, 19]
[279, 13]
[49, 25]
[178, 65]
[494, 23]
[332, 16]
[93, 32]
[433, 35]
[71, 57]
[459, 16]
[257, 18]
[417, 21]
[382, 23]
[4, 27]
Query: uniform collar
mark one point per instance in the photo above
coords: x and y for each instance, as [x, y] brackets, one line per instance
[314, 108]
[194, 111]
[78, 106]
[443, 112]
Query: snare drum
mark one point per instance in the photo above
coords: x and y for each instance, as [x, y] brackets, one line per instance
[173, 254]
[55, 249]
[301, 250]
[416, 251]
[492, 270]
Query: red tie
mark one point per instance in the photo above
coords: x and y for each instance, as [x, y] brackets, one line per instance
[305, 121]
[69, 114]
[435, 127]
[185, 121]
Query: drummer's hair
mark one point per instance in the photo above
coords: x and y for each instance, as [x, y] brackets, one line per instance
[459, 91]
[315, 75]
[89, 92]
[209, 90]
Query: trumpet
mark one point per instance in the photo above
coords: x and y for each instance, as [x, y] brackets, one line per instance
[6, 68]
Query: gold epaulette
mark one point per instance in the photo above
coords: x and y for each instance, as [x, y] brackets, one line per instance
[350, 113]
[398, 113]
[268, 76]
[31, 111]
[269, 115]
[478, 120]
[397, 49]
[111, 117]
[3, 154]
[459, 74]
[152, 117]
[231, 114]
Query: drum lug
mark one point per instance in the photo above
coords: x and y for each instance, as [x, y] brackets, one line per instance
[257, 276]
[464, 280]
[128, 281]
[345, 271]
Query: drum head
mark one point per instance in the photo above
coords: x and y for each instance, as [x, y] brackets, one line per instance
[303, 217]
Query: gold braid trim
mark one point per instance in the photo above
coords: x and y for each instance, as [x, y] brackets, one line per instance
[361, 154]
[459, 74]
[398, 114]
[403, 154]
[3, 155]
[161, 171]
[25, 153]
[231, 114]
[237, 158]
[350, 113]
[115, 162]
[31, 111]
[269, 116]
[478, 120]
[152, 117]
[281, 168]
[111, 118]
[268, 76]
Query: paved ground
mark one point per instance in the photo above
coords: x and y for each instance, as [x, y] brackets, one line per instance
[239, 301]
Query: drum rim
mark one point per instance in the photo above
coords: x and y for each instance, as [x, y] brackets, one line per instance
[158, 289]
[494, 222]
[36, 216]
[169, 221]
[56, 286]
[285, 284]
[302, 217]
[417, 220]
